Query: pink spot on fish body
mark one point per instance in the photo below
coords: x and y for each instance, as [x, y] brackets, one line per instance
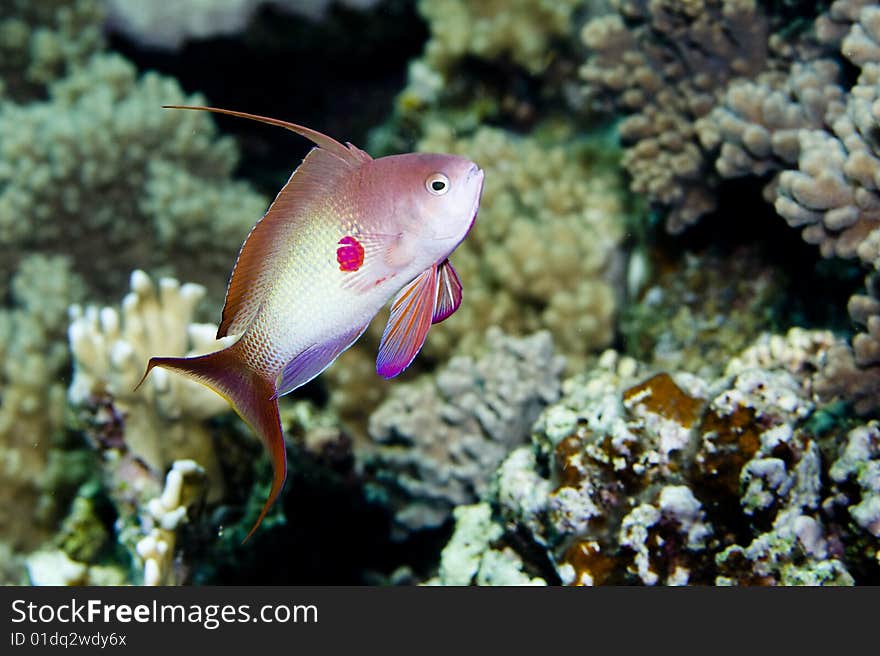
[350, 254]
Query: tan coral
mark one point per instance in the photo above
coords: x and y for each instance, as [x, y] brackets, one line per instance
[758, 121]
[519, 29]
[33, 358]
[165, 419]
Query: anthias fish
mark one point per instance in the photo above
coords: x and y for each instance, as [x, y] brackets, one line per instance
[345, 234]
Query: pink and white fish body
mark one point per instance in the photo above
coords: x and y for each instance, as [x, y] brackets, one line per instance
[344, 235]
[359, 249]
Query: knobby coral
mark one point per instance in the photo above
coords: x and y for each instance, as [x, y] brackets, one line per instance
[438, 439]
[674, 479]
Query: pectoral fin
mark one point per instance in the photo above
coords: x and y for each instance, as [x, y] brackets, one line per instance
[448, 292]
[407, 328]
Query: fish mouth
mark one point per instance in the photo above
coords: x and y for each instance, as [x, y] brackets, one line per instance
[476, 209]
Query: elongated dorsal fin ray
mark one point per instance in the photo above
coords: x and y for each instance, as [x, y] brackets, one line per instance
[349, 153]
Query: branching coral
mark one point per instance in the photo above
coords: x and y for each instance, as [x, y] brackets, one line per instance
[439, 440]
[33, 359]
[833, 195]
[521, 30]
[755, 128]
[669, 63]
[101, 172]
[163, 516]
[41, 41]
[163, 420]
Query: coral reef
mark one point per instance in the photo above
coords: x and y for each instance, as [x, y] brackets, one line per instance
[750, 101]
[677, 479]
[33, 359]
[41, 41]
[163, 420]
[438, 440]
[703, 451]
[66, 185]
[832, 195]
[668, 65]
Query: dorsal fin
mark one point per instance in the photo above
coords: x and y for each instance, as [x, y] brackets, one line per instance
[350, 153]
[319, 175]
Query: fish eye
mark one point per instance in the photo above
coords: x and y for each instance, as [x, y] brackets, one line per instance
[437, 184]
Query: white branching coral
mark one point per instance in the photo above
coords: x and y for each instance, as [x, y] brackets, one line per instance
[163, 517]
[164, 419]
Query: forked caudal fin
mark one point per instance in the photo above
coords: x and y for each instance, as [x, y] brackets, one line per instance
[251, 395]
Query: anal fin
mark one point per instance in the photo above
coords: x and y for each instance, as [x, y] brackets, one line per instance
[313, 360]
